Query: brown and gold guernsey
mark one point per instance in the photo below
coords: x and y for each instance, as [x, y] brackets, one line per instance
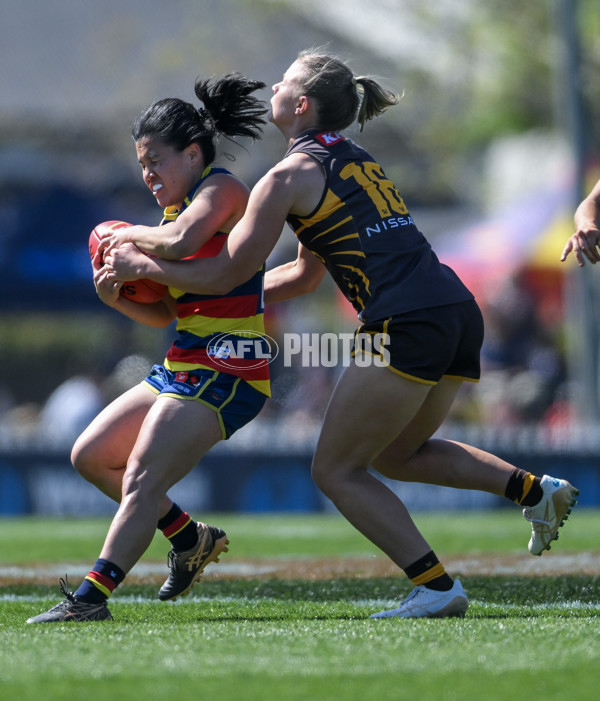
[364, 234]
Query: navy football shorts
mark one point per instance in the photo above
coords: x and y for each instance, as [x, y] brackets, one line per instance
[234, 400]
[428, 344]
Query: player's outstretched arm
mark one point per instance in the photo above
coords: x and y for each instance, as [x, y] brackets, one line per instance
[247, 247]
[216, 207]
[585, 242]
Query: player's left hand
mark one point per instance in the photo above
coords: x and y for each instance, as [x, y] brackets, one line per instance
[125, 262]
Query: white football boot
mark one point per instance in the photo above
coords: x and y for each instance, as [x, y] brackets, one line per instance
[428, 603]
[549, 514]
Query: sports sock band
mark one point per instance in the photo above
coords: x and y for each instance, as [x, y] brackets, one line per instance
[179, 528]
[100, 582]
[429, 572]
[523, 488]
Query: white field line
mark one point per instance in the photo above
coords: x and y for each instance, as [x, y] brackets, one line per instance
[367, 603]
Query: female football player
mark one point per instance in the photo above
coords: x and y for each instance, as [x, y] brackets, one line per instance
[153, 435]
[350, 220]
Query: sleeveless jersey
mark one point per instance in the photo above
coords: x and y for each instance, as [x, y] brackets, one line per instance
[211, 327]
[364, 234]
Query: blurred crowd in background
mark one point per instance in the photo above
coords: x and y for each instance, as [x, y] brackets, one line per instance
[524, 379]
[486, 120]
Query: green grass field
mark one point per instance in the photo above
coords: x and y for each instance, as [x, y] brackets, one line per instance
[264, 636]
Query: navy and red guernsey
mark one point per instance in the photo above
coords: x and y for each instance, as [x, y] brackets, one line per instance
[203, 318]
[364, 234]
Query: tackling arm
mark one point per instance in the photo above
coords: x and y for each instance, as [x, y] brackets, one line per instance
[247, 247]
[217, 205]
[295, 278]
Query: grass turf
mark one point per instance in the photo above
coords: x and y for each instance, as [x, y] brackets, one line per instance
[296, 639]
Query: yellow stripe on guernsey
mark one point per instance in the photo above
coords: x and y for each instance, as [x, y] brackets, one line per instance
[360, 274]
[202, 317]
[202, 326]
[205, 325]
[331, 203]
[345, 238]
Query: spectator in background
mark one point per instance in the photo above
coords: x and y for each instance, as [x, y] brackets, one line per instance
[69, 409]
[523, 368]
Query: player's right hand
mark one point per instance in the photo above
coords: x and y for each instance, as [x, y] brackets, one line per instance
[107, 289]
[584, 243]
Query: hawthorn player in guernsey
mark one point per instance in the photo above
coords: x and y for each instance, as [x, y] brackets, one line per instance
[351, 221]
[149, 438]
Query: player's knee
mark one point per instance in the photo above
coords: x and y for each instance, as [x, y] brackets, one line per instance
[324, 478]
[84, 461]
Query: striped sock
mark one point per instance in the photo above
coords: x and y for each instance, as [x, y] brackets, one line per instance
[523, 488]
[179, 528]
[100, 582]
[429, 572]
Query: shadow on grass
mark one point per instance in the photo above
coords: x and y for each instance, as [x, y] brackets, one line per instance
[571, 594]
[502, 590]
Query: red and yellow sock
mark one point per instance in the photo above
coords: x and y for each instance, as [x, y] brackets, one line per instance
[179, 528]
[100, 582]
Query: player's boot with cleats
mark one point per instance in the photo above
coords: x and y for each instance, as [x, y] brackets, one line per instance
[187, 567]
[428, 603]
[73, 609]
[549, 514]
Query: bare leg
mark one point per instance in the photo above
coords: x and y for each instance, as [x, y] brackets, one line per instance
[174, 436]
[101, 452]
[378, 418]
[369, 408]
[414, 457]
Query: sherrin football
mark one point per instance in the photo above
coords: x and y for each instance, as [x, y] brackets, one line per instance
[141, 291]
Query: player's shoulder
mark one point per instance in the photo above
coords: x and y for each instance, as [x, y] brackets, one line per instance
[296, 165]
[290, 179]
[221, 178]
[295, 184]
[222, 187]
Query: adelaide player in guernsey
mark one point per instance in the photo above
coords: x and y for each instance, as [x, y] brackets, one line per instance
[351, 221]
[149, 438]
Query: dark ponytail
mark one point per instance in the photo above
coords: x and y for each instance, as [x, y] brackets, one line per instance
[229, 101]
[229, 108]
